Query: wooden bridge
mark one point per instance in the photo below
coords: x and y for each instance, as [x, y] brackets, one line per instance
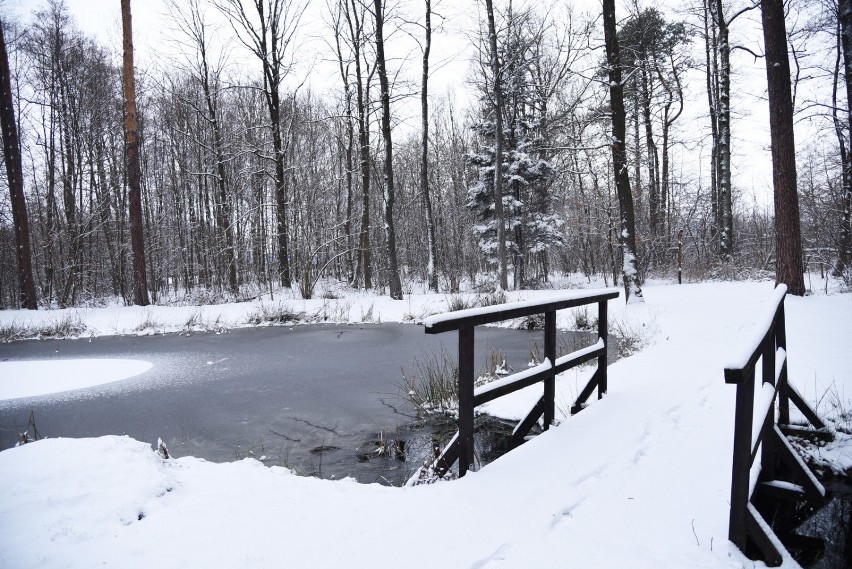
[465, 321]
[762, 417]
[761, 427]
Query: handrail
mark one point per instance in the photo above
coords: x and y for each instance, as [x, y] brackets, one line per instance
[756, 430]
[461, 446]
[457, 319]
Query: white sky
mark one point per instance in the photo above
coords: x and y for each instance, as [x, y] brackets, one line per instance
[451, 59]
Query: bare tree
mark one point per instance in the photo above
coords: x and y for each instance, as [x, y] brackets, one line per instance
[269, 34]
[193, 25]
[788, 235]
[137, 239]
[630, 273]
[844, 254]
[431, 268]
[390, 231]
[497, 101]
[12, 156]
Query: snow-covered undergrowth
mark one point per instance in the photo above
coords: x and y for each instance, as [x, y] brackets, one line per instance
[638, 479]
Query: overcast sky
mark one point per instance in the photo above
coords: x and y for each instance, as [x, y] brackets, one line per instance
[451, 61]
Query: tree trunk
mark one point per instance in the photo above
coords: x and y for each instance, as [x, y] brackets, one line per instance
[365, 258]
[712, 77]
[498, 148]
[12, 155]
[844, 254]
[431, 268]
[632, 290]
[788, 237]
[390, 232]
[134, 182]
[726, 229]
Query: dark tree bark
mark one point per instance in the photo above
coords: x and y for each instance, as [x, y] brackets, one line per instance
[355, 22]
[788, 237]
[134, 182]
[431, 268]
[712, 80]
[630, 272]
[390, 231]
[498, 147]
[723, 146]
[12, 156]
[844, 255]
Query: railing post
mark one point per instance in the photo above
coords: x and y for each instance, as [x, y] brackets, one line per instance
[781, 342]
[550, 380]
[602, 334]
[767, 457]
[740, 472]
[466, 457]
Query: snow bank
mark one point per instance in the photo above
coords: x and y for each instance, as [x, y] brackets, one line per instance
[639, 479]
[33, 378]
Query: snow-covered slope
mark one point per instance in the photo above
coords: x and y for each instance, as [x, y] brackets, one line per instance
[639, 479]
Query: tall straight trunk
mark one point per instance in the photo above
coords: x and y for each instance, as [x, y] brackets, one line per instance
[844, 256]
[15, 174]
[431, 267]
[350, 143]
[390, 231]
[630, 272]
[712, 77]
[131, 148]
[365, 256]
[651, 146]
[274, 105]
[788, 236]
[498, 148]
[726, 216]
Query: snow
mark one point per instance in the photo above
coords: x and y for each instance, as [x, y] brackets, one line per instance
[36, 378]
[615, 486]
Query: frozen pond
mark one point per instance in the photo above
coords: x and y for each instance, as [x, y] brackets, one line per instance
[320, 398]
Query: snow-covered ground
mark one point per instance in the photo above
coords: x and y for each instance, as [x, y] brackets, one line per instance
[639, 479]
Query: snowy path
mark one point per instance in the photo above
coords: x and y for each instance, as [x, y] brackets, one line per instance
[640, 479]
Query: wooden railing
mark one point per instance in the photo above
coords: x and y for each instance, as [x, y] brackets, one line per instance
[461, 446]
[756, 431]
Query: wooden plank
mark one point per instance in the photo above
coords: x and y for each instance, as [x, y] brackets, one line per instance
[763, 537]
[587, 391]
[580, 356]
[813, 435]
[448, 457]
[466, 402]
[805, 409]
[523, 428]
[735, 375]
[479, 316]
[741, 467]
[511, 383]
[781, 490]
[814, 491]
[603, 334]
[550, 377]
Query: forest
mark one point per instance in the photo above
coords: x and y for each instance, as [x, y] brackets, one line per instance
[227, 173]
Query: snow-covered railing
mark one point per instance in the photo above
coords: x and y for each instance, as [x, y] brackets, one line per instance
[756, 431]
[461, 447]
